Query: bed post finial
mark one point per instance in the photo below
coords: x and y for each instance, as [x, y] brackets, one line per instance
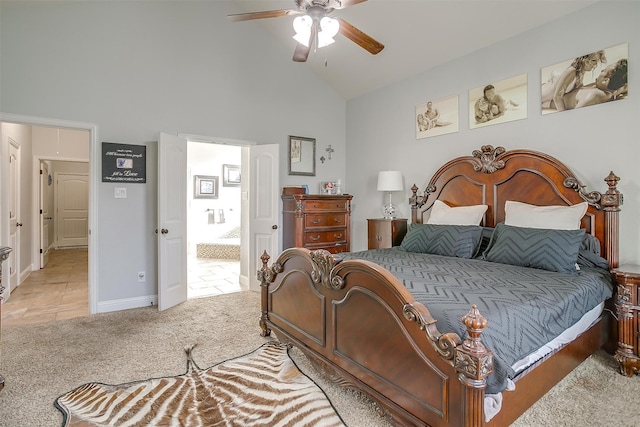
[611, 201]
[474, 363]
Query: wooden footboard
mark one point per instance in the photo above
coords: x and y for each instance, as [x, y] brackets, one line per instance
[360, 325]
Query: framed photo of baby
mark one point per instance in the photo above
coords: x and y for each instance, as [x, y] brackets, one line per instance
[437, 117]
[588, 79]
[498, 102]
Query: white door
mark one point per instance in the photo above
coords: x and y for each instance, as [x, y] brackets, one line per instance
[46, 213]
[264, 208]
[14, 215]
[172, 221]
[72, 210]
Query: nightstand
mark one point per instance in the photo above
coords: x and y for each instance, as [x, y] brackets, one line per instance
[385, 233]
[628, 308]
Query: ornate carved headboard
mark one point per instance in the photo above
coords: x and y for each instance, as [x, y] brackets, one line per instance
[491, 176]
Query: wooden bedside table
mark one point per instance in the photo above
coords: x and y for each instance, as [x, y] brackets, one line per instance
[627, 306]
[385, 233]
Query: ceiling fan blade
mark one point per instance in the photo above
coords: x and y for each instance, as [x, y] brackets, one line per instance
[359, 38]
[341, 4]
[302, 52]
[260, 15]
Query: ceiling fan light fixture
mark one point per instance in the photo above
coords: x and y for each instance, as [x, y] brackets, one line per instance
[329, 28]
[302, 27]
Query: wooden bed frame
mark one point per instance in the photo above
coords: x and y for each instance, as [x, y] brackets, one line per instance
[360, 326]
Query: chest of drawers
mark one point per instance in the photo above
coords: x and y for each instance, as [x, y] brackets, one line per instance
[317, 221]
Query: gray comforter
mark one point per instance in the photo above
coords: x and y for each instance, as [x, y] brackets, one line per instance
[525, 307]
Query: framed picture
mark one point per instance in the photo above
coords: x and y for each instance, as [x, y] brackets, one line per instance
[498, 102]
[230, 175]
[327, 187]
[586, 80]
[437, 117]
[205, 187]
[302, 156]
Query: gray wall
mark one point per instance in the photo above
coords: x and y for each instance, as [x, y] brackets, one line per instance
[591, 141]
[138, 68]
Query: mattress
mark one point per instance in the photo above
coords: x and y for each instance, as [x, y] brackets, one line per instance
[526, 308]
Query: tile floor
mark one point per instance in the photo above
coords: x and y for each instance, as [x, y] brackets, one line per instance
[208, 277]
[59, 291]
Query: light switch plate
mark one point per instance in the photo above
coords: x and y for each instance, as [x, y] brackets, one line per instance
[120, 193]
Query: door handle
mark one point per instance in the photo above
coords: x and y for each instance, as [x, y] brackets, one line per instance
[18, 224]
[164, 231]
[274, 227]
[48, 217]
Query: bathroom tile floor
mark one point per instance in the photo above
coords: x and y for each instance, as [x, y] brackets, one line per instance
[60, 290]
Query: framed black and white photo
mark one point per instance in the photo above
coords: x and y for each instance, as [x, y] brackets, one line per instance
[498, 102]
[230, 175]
[205, 187]
[588, 79]
[437, 117]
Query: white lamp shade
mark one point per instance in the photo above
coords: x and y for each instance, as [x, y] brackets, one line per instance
[302, 26]
[389, 181]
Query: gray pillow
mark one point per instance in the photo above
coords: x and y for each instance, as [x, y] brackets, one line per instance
[553, 250]
[448, 240]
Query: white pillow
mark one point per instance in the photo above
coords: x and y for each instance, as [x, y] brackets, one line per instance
[520, 214]
[443, 214]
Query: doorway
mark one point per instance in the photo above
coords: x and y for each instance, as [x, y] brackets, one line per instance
[63, 149]
[213, 220]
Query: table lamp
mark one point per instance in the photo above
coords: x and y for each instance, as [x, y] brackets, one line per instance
[389, 181]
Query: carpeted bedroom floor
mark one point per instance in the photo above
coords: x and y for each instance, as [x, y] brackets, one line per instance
[41, 362]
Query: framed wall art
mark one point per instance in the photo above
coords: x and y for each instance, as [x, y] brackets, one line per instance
[589, 79]
[498, 102]
[302, 156]
[437, 117]
[230, 175]
[205, 187]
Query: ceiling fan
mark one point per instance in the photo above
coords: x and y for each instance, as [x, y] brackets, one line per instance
[313, 26]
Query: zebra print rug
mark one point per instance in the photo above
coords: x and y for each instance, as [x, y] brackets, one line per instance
[262, 388]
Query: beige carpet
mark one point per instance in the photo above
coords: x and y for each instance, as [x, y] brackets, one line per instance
[42, 362]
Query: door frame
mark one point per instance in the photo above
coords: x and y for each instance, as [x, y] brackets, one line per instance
[243, 278]
[15, 173]
[94, 178]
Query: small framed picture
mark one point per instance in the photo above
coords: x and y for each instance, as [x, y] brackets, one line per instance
[327, 187]
[230, 175]
[306, 188]
[205, 187]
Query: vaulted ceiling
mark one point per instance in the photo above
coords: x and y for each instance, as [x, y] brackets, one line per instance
[417, 34]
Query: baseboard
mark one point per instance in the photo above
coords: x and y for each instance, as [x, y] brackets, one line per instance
[127, 303]
[244, 281]
[24, 274]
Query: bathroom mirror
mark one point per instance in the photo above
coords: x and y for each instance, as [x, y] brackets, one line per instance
[302, 156]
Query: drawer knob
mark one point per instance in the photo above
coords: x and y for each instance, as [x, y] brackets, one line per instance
[314, 238]
[338, 220]
[338, 236]
[315, 221]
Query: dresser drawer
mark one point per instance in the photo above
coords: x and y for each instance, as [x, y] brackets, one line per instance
[325, 220]
[336, 249]
[319, 237]
[325, 205]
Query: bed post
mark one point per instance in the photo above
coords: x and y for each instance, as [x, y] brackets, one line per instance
[474, 363]
[611, 201]
[265, 277]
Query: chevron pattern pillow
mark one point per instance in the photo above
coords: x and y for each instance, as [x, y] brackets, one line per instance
[448, 240]
[553, 250]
